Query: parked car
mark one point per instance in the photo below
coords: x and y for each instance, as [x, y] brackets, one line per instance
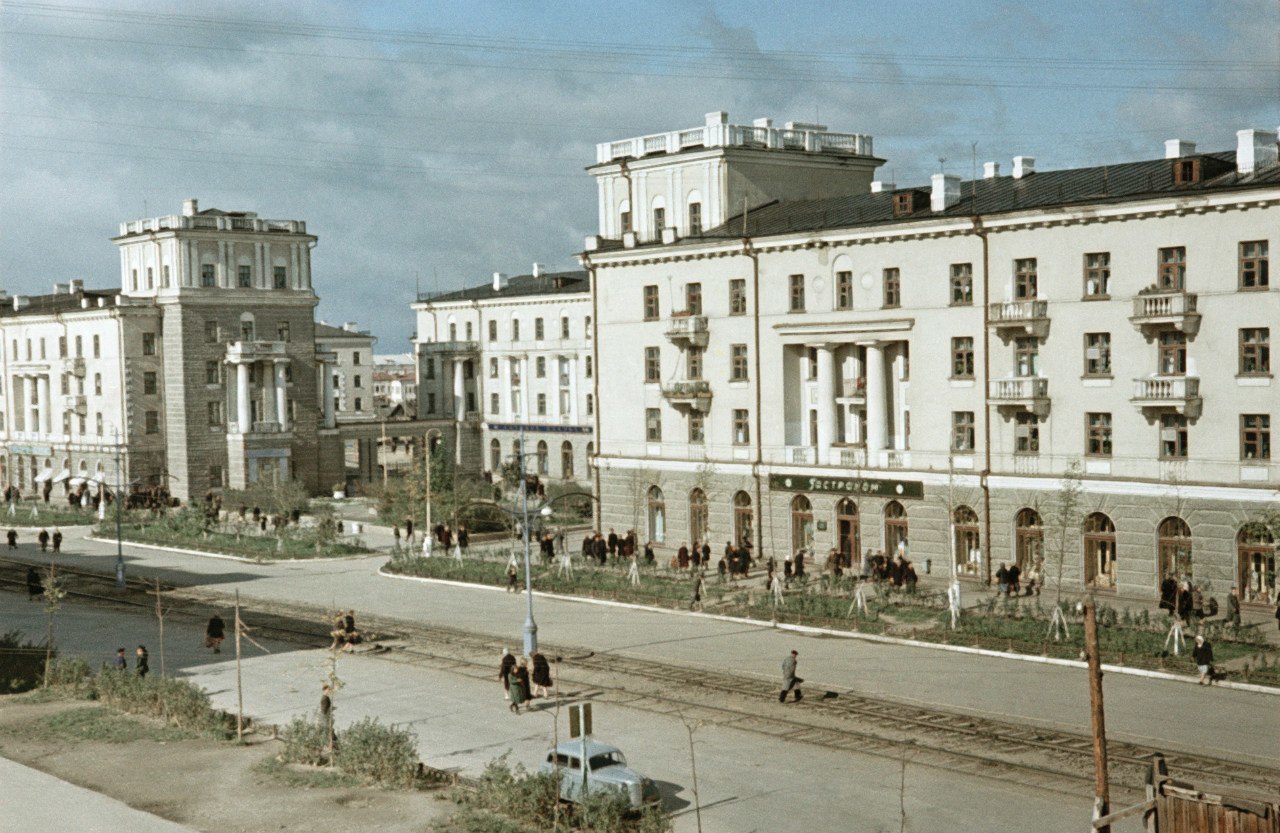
[606, 769]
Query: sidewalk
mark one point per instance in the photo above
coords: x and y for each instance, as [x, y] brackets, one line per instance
[35, 802]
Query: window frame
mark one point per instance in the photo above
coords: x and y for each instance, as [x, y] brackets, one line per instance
[1104, 342]
[1258, 435]
[1181, 443]
[1171, 269]
[737, 296]
[961, 285]
[741, 427]
[962, 357]
[652, 365]
[891, 282]
[1026, 279]
[652, 307]
[844, 291]
[1258, 351]
[1098, 433]
[1172, 353]
[1256, 263]
[1097, 268]
[1026, 444]
[739, 366]
[693, 298]
[795, 293]
[653, 425]
[963, 432]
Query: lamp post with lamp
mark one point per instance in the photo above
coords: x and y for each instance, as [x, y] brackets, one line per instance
[530, 626]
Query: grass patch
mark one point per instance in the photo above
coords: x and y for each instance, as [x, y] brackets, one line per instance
[48, 516]
[187, 530]
[367, 751]
[98, 723]
[307, 778]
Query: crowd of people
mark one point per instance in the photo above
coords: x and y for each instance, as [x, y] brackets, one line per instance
[524, 679]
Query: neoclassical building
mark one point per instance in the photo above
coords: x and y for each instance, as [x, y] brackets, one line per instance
[862, 365]
[202, 370]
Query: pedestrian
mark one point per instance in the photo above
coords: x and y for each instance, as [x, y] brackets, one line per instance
[408, 530]
[120, 663]
[35, 587]
[699, 585]
[464, 538]
[648, 552]
[350, 635]
[1002, 580]
[57, 540]
[1278, 613]
[613, 543]
[1233, 607]
[790, 682]
[326, 714]
[505, 668]
[541, 675]
[13, 539]
[518, 687]
[1015, 578]
[141, 662]
[395, 533]
[43, 538]
[706, 553]
[512, 574]
[1203, 656]
[214, 633]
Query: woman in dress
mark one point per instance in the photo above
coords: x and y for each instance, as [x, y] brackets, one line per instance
[541, 675]
[505, 668]
[519, 687]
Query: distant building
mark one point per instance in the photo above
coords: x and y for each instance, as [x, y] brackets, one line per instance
[353, 372]
[395, 380]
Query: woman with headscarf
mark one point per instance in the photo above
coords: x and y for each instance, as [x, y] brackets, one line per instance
[519, 686]
[505, 667]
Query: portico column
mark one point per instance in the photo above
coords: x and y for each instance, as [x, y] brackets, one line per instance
[268, 393]
[899, 406]
[326, 388]
[524, 387]
[459, 392]
[243, 414]
[826, 401]
[282, 395]
[29, 400]
[508, 364]
[875, 403]
[573, 389]
[46, 407]
[553, 407]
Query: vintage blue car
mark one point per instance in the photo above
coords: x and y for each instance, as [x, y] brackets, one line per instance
[606, 769]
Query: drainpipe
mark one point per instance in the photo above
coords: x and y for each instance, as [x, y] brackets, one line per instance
[595, 379]
[985, 478]
[749, 250]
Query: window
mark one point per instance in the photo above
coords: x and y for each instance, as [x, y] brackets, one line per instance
[586, 327]
[79, 347]
[212, 333]
[282, 331]
[1097, 275]
[844, 290]
[811, 362]
[1026, 433]
[801, 523]
[566, 460]
[591, 404]
[657, 520]
[693, 360]
[542, 404]
[895, 527]
[652, 365]
[1186, 171]
[493, 330]
[62, 347]
[1256, 565]
[539, 332]
[962, 357]
[355, 381]
[431, 403]
[359, 404]
[1255, 350]
[515, 329]
[151, 420]
[697, 427]
[796, 289]
[42, 353]
[1097, 354]
[1173, 354]
[355, 357]
[213, 372]
[1098, 434]
[97, 347]
[149, 382]
[741, 427]
[967, 536]
[64, 381]
[1028, 539]
[133, 279]
[215, 413]
[148, 344]
[695, 218]
[244, 277]
[624, 220]
[97, 384]
[903, 203]
[653, 424]
[588, 366]
[961, 284]
[650, 303]
[1173, 436]
[1254, 266]
[1026, 356]
[1025, 281]
[208, 275]
[495, 402]
[1255, 437]
[962, 431]
[659, 221]
[429, 368]
[540, 367]
[1173, 538]
[892, 288]
[1099, 552]
[564, 326]
[738, 296]
[693, 298]
[98, 423]
[279, 278]
[738, 363]
[1172, 272]
[493, 368]
[150, 279]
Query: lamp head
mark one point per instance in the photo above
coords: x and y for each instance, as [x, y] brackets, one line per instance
[545, 511]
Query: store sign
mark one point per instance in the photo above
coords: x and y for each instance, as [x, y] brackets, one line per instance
[846, 485]
[539, 429]
[34, 450]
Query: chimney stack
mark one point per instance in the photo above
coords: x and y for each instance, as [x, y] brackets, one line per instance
[990, 170]
[878, 187]
[499, 281]
[946, 192]
[1255, 149]
[1023, 166]
[1178, 148]
[77, 285]
[190, 207]
[537, 270]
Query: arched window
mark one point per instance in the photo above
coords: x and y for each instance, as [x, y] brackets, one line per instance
[495, 455]
[801, 524]
[1028, 540]
[968, 541]
[542, 457]
[743, 522]
[848, 535]
[693, 214]
[1099, 552]
[659, 207]
[1256, 571]
[657, 515]
[698, 517]
[566, 460]
[1174, 549]
[895, 528]
[517, 455]
[624, 217]
[453, 331]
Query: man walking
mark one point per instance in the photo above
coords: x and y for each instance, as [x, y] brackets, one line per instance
[1203, 656]
[790, 682]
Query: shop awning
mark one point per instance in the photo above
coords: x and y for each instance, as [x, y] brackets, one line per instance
[44, 475]
[65, 474]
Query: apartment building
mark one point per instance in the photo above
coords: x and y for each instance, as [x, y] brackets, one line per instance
[395, 381]
[353, 371]
[894, 368]
[512, 356]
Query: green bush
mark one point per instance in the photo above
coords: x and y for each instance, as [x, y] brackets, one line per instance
[516, 793]
[71, 673]
[177, 702]
[379, 754]
[305, 742]
[21, 662]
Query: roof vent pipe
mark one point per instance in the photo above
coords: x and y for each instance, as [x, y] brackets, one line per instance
[537, 270]
[1023, 166]
[190, 207]
[878, 187]
[990, 170]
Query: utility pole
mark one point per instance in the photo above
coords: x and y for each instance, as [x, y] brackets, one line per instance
[426, 456]
[530, 627]
[385, 461]
[239, 684]
[119, 523]
[1102, 793]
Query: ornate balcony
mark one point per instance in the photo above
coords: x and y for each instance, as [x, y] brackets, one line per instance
[1168, 310]
[251, 351]
[1021, 393]
[695, 395]
[1012, 318]
[441, 347]
[1155, 394]
[687, 329]
[74, 366]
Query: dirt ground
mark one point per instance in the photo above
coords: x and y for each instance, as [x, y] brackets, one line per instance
[206, 784]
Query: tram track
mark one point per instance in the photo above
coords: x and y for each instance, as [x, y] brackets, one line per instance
[1045, 758]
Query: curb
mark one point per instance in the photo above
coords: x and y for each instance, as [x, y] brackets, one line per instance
[225, 557]
[868, 637]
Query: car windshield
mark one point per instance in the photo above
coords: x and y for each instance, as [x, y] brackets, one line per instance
[607, 759]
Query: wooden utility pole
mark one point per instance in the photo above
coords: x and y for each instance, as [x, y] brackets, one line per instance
[239, 686]
[160, 619]
[1102, 793]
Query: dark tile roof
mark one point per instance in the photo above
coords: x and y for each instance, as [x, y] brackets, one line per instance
[520, 286]
[1105, 184]
[327, 331]
[61, 302]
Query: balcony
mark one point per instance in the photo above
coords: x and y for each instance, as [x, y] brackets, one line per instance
[695, 395]
[74, 366]
[853, 391]
[717, 132]
[1155, 394]
[77, 404]
[1013, 318]
[1021, 393]
[252, 351]
[687, 329]
[431, 348]
[852, 457]
[1156, 311]
[802, 455]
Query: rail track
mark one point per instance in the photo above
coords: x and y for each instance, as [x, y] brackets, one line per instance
[1045, 758]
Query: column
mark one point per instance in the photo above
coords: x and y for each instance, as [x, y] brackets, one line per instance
[875, 403]
[282, 395]
[507, 365]
[225, 278]
[573, 389]
[243, 414]
[29, 402]
[268, 392]
[459, 391]
[899, 405]
[524, 387]
[553, 407]
[46, 407]
[326, 390]
[826, 401]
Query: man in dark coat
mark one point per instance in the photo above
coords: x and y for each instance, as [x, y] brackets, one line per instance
[1203, 656]
[613, 543]
[57, 540]
[43, 538]
[790, 682]
[35, 587]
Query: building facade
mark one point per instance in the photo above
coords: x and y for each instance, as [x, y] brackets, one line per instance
[508, 356]
[203, 368]
[395, 381]
[922, 366]
[353, 371]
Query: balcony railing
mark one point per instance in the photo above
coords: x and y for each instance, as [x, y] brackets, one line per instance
[240, 351]
[1177, 393]
[1163, 310]
[74, 366]
[213, 223]
[853, 388]
[1030, 316]
[1030, 393]
[802, 455]
[812, 138]
[434, 347]
[695, 394]
[853, 458]
[689, 328]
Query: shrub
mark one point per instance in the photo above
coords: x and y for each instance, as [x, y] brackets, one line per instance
[305, 742]
[73, 673]
[21, 662]
[177, 702]
[516, 793]
[380, 754]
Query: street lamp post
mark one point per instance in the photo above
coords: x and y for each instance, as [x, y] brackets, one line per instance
[119, 525]
[530, 627]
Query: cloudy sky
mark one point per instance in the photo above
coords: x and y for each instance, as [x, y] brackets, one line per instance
[429, 144]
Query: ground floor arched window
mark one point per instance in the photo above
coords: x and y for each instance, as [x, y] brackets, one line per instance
[495, 455]
[968, 541]
[743, 521]
[895, 529]
[698, 517]
[1028, 540]
[657, 515]
[1256, 566]
[566, 460]
[801, 524]
[542, 458]
[1099, 552]
[1174, 549]
[848, 535]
